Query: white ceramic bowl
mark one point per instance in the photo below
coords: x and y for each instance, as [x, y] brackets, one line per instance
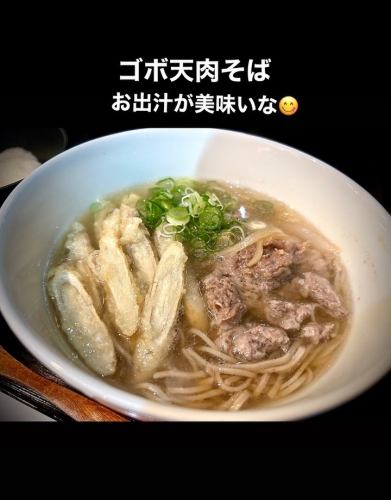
[42, 207]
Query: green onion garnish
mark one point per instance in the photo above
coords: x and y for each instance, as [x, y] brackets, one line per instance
[204, 220]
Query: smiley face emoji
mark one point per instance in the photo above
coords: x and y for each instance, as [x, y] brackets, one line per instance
[288, 105]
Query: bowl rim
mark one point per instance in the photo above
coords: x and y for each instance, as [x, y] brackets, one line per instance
[143, 408]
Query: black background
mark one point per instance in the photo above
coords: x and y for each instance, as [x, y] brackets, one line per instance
[343, 119]
[343, 97]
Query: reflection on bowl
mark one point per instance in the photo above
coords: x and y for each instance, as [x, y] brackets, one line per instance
[40, 210]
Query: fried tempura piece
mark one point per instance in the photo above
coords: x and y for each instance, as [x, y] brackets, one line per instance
[160, 312]
[135, 239]
[106, 207]
[160, 240]
[195, 310]
[80, 322]
[194, 306]
[131, 200]
[121, 295]
[80, 251]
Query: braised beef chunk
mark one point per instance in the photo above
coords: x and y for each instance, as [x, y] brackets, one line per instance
[252, 342]
[234, 283]
[268, 273]
[287, 315]
[316, 333]
[293, 247]
[320, 290]
[312, 260]
[222, 299]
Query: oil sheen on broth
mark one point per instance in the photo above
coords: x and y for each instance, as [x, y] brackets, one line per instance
[200, 294]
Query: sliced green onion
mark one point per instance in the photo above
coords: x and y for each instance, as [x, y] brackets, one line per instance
[163, 201]
[150, 212]
[169, 230]
[178, 216]
[210, 219]
[185, 182]
[214, 200]
[193, 201]
[168, 183]
[201, 215]
[198, 248]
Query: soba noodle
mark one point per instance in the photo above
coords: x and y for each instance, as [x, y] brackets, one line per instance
[274, 378]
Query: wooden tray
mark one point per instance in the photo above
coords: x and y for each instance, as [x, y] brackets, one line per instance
[26, 379]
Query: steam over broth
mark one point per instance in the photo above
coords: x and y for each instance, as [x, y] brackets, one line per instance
[200, 294]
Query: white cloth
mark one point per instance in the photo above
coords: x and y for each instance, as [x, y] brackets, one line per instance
[15, 165]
